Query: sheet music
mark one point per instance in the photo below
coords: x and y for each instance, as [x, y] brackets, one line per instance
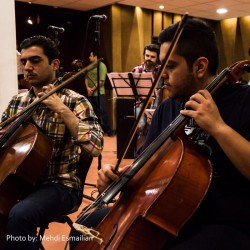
[122, 85]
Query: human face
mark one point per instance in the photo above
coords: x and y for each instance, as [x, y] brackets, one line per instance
[150, 58]
[179, 80]
[37, 70]
[92, 58]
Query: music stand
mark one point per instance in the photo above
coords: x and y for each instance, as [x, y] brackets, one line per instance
[136, 85]
[129, 84]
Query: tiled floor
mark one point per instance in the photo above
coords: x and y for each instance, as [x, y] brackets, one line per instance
[56, 236]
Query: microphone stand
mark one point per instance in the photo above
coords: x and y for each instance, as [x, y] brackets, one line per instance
[97, 49]
[54, 37]
[97, 45]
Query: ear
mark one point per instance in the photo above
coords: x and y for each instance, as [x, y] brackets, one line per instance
[200, 66]
[55, 64]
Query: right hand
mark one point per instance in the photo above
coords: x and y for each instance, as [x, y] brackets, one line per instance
[89, 91]
[106, 176]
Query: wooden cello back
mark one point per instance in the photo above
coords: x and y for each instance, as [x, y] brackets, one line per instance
[22, 162]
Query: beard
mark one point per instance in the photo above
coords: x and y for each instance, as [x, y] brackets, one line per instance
[189, 88]
[37, 84]
[149, 64]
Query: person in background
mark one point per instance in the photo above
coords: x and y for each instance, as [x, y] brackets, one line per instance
[150, 64]
[151, 60]
[96, 92]
[68, 119]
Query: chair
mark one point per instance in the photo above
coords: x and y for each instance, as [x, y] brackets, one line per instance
[85, 161]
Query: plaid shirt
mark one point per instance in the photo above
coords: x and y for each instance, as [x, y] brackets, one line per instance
[142, 69]
[62, 167]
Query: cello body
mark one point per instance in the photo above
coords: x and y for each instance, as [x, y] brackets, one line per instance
[158, 201]
[23, 161]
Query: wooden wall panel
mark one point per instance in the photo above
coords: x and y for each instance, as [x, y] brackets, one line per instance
[167, 20]
[131, 31]
[157, 22]
[228, 28]
[244, 35]
[234, 41]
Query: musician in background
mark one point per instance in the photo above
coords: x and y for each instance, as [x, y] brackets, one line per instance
[151, 60]
[150, 64]
[220, 125]
[68, 119]
[96, 92]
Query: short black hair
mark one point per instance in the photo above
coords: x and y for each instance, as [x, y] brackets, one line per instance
[152, 47]
[196, 40]
[49, 46]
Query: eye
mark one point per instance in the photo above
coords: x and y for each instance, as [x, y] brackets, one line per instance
[35, 60]
[23, 61]
[170, 66]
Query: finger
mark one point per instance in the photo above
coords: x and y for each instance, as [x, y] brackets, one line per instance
[192, 104]
[123, 169]
[108, 171]
[187, 112]
[205, 93]
[40, 94]
[198, 97]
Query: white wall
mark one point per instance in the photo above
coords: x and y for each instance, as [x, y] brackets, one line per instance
[8, 64]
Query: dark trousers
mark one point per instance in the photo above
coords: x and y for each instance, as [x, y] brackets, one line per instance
[42, 205]
[211, 237]
[99, 106]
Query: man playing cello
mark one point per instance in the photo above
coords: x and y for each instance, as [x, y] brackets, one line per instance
[68, 119]
[220, 125]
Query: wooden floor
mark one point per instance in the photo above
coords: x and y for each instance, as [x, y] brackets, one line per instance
[56, 235]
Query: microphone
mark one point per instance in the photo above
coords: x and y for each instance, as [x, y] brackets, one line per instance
[100, 17]
[58, 29]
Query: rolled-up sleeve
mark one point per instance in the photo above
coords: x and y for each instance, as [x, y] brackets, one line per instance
[90, 134]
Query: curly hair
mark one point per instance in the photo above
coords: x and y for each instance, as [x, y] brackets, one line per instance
[49, 46]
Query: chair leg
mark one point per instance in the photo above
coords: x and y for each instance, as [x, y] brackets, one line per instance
[39, 245]
[88, 197]
[60, 219]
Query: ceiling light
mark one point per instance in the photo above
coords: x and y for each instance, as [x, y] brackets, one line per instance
[30, 21]
[221, 11]
[161, 7]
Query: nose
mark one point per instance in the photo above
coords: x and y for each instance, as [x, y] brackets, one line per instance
[165, 74]
[28, 65]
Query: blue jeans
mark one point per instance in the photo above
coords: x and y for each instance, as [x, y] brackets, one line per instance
[40, 206]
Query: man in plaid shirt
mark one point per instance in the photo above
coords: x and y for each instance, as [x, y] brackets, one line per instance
[68, 119]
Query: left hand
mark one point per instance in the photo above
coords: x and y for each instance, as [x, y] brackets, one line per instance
[53, 101]
[203, 109]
